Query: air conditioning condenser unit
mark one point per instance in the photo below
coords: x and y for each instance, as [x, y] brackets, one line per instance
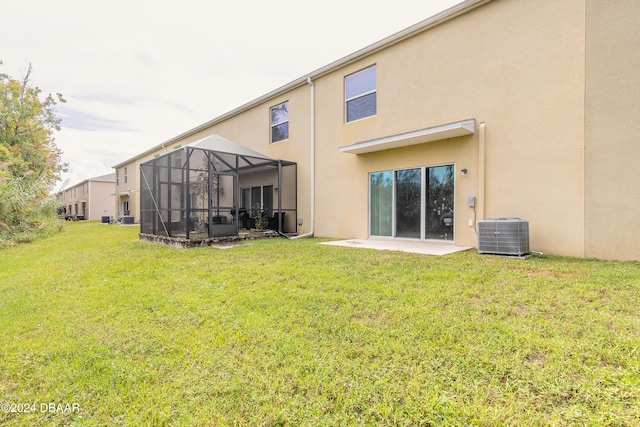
[503, 236]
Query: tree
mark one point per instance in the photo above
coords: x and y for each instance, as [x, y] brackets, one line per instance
[30, 162]
[27, 123]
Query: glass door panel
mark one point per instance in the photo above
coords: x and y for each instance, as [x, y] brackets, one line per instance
[245, 201]
[439, 203]
[381, 203]
[256, 198]
[408, 196]
[267, 199]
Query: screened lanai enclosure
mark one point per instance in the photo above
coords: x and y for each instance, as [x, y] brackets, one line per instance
[215, 188]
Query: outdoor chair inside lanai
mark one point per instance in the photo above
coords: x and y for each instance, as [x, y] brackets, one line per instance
[214, 188]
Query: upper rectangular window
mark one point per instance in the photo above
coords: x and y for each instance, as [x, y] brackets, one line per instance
[125, 175]
[280, 122]
[360, 94]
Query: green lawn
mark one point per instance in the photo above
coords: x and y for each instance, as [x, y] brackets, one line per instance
[279, 332]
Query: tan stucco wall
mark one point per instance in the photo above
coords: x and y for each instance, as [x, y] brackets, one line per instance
[100, 200]
[516, 65]
[612, 203]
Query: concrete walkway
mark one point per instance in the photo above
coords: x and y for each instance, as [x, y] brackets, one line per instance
[437, 249]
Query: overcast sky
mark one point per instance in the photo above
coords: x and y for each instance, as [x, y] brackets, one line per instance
[136, 73]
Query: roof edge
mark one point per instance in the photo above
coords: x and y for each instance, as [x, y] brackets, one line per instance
[424, 25]
[110, 177]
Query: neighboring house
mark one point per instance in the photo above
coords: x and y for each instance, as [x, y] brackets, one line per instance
[127, 190]
[90, 200]
[531, 107]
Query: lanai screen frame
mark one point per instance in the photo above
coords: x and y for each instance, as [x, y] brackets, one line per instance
[170, 179]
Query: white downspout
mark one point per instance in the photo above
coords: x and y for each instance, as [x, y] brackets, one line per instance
[88, 198]
[482, 162]
[313, 161]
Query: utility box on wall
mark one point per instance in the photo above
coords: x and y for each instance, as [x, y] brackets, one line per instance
[503, 236]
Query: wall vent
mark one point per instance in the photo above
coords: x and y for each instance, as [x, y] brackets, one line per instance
[503, 236]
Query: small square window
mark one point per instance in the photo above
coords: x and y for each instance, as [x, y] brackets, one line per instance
[279, 122]
[361, 94]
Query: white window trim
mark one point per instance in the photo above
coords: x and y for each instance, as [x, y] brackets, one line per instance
[360, 95]
[271, 125]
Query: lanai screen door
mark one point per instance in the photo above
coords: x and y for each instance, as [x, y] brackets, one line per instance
[413, 203]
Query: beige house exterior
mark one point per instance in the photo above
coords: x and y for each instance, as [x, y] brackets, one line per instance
[531, 108]
[90, 199]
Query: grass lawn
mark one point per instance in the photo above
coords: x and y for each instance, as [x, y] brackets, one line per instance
[279, 332]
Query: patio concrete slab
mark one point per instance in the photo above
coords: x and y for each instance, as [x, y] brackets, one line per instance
[425, 248]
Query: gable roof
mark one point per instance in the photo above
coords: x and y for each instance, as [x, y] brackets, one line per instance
[110, 177]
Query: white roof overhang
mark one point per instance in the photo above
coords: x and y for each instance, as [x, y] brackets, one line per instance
[434, 133]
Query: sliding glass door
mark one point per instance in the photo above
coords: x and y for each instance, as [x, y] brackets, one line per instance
[257, 198]
[413, 203]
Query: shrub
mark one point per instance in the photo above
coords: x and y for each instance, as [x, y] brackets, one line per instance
[25, 212]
